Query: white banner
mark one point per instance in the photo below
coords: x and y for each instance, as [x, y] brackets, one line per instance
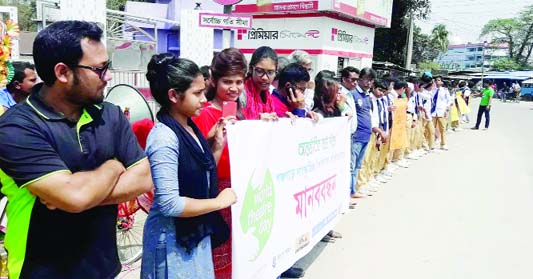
[292, 183]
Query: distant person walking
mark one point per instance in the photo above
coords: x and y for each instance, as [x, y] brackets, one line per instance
[484, 106]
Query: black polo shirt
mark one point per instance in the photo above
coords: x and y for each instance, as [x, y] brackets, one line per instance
[36, 142]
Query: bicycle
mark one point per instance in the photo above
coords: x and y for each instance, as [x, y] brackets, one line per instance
[132, 214]
[130, 225]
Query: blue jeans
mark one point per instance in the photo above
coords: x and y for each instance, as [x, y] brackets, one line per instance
[358, 153]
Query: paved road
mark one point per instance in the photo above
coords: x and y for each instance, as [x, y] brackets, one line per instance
[465, 213]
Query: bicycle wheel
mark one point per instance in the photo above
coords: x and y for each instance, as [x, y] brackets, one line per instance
[130, 236]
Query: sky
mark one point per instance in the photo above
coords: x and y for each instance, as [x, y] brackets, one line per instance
[465, 18]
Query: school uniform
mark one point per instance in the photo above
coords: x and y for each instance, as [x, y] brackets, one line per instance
[412, 117]
[429, 127]
[362, 135]
[440, 106]
[385, 155]
[372, 153]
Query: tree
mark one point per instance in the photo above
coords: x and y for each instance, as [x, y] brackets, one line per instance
[119, 5]
[516, 33]
[439, 37]
[423, 47]
[26, 14]
[525, 35]
[429, 66]
[502, 31]
[505, 64]
[389, 43]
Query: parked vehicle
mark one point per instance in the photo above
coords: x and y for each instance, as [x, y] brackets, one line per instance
[526, 92]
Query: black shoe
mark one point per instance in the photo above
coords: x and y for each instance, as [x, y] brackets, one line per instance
[293, 272]
[474, 128]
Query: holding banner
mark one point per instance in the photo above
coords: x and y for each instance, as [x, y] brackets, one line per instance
[292, 183]
[399, 133]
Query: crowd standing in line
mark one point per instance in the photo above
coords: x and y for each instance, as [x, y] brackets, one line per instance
[67, 158]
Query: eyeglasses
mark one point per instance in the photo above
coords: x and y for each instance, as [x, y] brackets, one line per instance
[354, 79]
[100, 71]
[262, 72]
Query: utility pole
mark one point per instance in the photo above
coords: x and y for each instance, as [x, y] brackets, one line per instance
[409, 42]
[482, 63]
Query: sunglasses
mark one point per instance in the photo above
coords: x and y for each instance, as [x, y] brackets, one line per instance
[100, 71]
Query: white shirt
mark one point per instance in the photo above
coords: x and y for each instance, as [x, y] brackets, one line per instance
[411, 104]
[466, 91]
[350, 107]
[374, 117]
[425, 98]
[442, 102]
[309, 95]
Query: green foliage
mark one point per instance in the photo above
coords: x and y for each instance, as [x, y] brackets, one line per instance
[119, 5]
[420, 8]
[26, 14]
[424, 48]
[516, 32]
[389, 43]
[428, 66]
[439, 37]
[506, 64]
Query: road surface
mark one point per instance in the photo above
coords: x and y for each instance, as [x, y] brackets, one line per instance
[464, 213]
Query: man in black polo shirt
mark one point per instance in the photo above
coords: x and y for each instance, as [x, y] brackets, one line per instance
[66, 160]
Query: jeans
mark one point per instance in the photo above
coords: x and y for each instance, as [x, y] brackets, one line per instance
[358, 153]
[483, 110]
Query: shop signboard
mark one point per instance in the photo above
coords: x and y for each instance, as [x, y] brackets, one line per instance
[224, 21]
[316, 35]
[375, 12]
[276, 6]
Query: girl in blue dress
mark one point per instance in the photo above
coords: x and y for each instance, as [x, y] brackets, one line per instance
[184, 222]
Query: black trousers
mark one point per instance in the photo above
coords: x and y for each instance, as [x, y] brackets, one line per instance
[483, 110]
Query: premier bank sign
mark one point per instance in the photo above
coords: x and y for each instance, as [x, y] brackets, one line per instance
[262, 34]
[318, 33]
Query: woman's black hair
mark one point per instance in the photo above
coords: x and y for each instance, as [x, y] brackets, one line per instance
[229, 61]
[260, 54]
[326, 88]
[166, 71]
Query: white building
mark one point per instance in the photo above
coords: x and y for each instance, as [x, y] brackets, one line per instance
[470, 56]
[335, 33]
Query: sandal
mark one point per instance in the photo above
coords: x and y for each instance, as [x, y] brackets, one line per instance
[328, 239]
[334, 234]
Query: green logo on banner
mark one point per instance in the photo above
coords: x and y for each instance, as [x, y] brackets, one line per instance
[257, 215]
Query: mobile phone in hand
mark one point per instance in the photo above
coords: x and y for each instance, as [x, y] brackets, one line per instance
[229, 108]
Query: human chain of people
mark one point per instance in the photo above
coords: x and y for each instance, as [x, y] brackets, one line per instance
[67, 157]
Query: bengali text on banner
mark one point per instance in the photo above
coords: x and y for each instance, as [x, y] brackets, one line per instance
[292, 183]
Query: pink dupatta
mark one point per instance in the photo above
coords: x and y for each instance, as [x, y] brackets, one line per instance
[254, 105]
